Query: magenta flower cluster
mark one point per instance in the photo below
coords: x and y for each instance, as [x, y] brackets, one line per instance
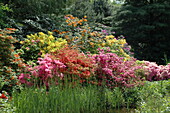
[156, 72]
[47, 70]
[115, 72]
[110, 70]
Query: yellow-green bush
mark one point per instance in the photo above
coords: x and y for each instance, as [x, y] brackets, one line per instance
[39, 44]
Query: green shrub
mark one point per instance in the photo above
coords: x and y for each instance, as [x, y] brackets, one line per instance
[155, 97]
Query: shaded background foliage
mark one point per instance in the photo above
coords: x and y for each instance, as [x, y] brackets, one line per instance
[144, 23]
[3, 16]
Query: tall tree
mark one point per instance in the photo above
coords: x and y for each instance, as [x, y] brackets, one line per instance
[145, 25]
[25, 8]
[97, 10]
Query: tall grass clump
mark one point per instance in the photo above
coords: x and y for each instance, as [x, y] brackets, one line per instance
[59, 99]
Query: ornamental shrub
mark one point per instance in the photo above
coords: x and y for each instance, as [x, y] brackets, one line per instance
[10, 62]
[79, 34]
[65, 64]
[46, 72]
[114, 71]
[77, 64]
[156, 72]
[39, 44]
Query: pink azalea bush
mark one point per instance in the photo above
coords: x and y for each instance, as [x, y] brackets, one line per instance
[156, 72]
[47, 71]
[113, 71]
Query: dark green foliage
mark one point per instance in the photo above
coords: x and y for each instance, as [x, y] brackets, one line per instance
[83, 8]
[26, 8]
[145, 25]
[99, 11]
[31, 16]
[35, 24]
[3, 16]
[103, 9]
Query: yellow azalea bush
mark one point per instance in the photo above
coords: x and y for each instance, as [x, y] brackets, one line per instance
[38, 44]
[78, 34]
[116, 45]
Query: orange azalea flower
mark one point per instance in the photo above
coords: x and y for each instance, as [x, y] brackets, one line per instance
[69, 24]
[55, 30]
[9, 68]
[85, 20]
[16, 55]
[11, 50]
[12, 78]
[63, 32]
[8, 71]
[67, 21]
[66, 36]
[82, 34]
[1, 35]
[72, 17]
[19, 65]
[9, 37]
[12, 29]
[15, 60]
[84, 31]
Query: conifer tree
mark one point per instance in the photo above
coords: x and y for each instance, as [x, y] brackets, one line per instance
[145, 24]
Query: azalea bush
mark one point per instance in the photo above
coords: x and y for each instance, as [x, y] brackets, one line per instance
[113, 71]
[77, 63]
[46, 72]
[78, 33]
[10, 62]
[38, 44]
[62, 65]
[156, 72]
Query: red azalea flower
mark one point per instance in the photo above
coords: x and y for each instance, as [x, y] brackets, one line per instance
[3, 96]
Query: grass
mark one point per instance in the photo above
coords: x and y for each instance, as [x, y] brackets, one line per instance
[67, 100]
[153, 97]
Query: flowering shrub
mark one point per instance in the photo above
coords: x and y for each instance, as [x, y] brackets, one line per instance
[10, 62]
[39, 44]
[5, 106]
[155, 72]
[117, 46]
[113, 71]
[77, 64]
[78, 34]
[46, 72]
[65, 63]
